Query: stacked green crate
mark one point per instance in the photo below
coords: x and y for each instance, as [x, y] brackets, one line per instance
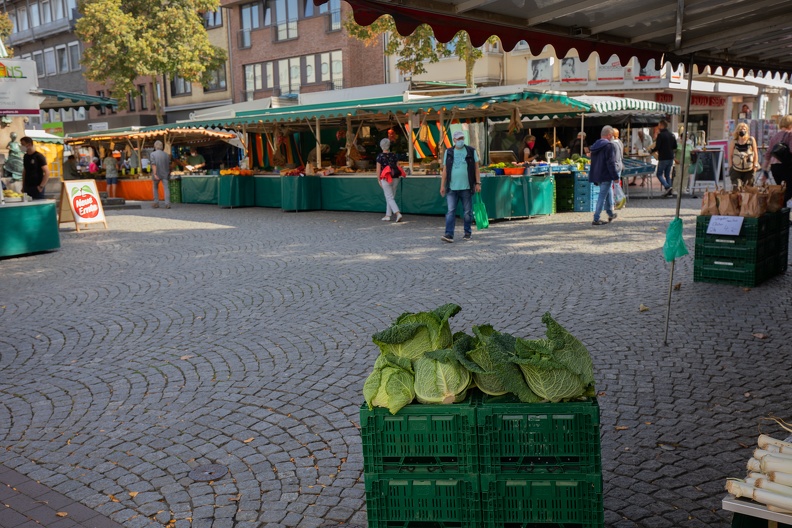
[174, 185]
[541, 464]
[565, 192]
[421, 466]
[758, 253]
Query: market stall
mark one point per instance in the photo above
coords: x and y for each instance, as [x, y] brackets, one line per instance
[35, 227]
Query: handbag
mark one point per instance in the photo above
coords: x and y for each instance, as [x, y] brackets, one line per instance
[480, 212]
[780, 151]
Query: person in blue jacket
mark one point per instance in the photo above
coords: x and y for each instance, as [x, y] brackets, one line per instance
[603, 173]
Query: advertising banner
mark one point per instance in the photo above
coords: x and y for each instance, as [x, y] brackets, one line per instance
[647, 73]
[574, 71]
[80, 203]
[540, 71]
[610, 72]
[17, 78]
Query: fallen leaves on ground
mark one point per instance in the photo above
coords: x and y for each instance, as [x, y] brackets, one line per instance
[62, 514]
[760, 336]
[113, 499]
[187, 356]
[621, 427]
[678, 286]
[643, 308]
[248, 440]
[133, 494]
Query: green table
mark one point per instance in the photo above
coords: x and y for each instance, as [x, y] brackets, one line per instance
[540, 193]
[301, 193]
[236, 191]
[421, 195]
[267, 190]
[354, 193]
[496, 193]
[200, 189]
[28, 227]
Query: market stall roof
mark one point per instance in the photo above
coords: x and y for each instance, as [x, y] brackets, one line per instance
[41, 136]
[751, 34]
[176, 133]
[615, 106]
[58, 99]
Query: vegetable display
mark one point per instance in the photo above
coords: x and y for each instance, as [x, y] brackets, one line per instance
[421, 359]
[769, 480]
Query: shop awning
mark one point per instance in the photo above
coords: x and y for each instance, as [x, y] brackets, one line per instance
[176, 134]
[58, 99]
[753, 35]
[601, 104]
[41, 136]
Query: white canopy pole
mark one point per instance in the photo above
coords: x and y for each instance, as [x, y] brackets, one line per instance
[582, 139]
[318, 146]
[410, 144]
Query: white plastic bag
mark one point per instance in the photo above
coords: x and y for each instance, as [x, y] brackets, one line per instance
[619, 198]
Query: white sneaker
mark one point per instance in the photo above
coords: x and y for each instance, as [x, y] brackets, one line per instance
[386, 218]
[398, 217]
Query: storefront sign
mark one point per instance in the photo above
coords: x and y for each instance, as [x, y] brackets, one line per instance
[80, 203]
[17, 78]
[574, 71]
[99, 126]
[56, 128]
[610, 72]
[664, 98]
[707, 100]
[540, 71]
[725, 225]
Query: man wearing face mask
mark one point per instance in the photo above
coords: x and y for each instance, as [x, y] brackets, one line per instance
[459, 180]
[528, 152]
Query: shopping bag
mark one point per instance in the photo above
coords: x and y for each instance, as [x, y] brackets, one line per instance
[480, 212]
[729, 203]
[775, 197]
[709, 204]
[619, 198]
[753, 204]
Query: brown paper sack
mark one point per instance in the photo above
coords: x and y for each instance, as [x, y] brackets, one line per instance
[709, 203]
[753, 205]
[775, 198]
[729, 203]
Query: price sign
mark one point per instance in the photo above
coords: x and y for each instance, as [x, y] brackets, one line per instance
[725, 225]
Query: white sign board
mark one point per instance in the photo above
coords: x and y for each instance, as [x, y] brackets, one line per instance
[725, 225]
[17, 78]
[82, 198]
[574, 71]
[540, 71]
[647, 73]
[611, 71]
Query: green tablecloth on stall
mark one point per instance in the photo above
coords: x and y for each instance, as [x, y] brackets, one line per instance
[421, 195]
[496, 193]
[540, 192]
[236, 191]
[267, 190]
[28, 227]
[301, 193]
[200, 189]
[354, 193]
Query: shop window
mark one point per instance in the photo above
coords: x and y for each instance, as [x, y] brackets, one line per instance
[22, 19]
[39, 58]
[218, 80]
[74, 56]
[35, 17]
[213, 19]
[63, 59]
[50, 64]
[286, 13]
[180, 86]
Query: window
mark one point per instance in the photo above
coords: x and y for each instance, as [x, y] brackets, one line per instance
[333, 7]
[50, 64]
[71, 9]
[251, 16]
[180, 86]
[102, 109]
[74, 56]
[310, 69]
[57, 10]
[253, 80]
[143, 97]
[39, 58]
[309, 9]
[218, 80]
[35, 18]
[46, 12]
[22, 19]
[337, 70]
[286, 13]
[213, 19]
[131, 100]
[62, 58]
[269, 74]
[12, 17]
[325, 66]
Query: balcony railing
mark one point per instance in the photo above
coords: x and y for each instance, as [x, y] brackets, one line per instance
[244, 39]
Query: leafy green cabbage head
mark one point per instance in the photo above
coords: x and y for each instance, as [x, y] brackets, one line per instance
[440, 378]
[412, 334]
[390, 385]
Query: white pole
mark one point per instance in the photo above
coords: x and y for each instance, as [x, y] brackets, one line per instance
[318, 146]
[410, 144]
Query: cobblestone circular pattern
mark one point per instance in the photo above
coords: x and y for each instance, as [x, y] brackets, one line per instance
[193, 336]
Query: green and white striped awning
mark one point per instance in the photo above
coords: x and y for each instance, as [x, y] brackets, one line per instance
[601, 104]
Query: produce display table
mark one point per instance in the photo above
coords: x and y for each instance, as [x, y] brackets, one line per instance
[540, 193]
[355, 192]
[421, 195]
[749, 514]
[301, 193]
[200, 189]
[267, 189]
[139, 190]
[31, 227]
[236, 191]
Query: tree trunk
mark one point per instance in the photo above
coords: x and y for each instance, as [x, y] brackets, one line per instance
[470, 63]
[157, 103]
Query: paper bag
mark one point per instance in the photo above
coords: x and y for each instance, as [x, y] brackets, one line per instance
[753, 205]
[709, 203]
[775, 197]
[729, 203]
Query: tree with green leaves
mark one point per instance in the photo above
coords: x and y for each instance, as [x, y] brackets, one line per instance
[5, 31]
[414, 51]
[133, 38]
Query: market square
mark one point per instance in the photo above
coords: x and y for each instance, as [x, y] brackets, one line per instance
[242, 337]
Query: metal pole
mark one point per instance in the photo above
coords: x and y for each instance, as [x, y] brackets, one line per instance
[582, 139]
[410, 146]
[679, 193]
[318, 146]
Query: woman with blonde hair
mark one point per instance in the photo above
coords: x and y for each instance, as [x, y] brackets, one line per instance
[744, 156]
[781, 169]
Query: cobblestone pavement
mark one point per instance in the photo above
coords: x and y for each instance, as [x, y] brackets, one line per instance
[199, 335]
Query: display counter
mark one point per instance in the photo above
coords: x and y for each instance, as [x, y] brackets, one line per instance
[30, 227]
[200, 189]
[301, 193]
[236, 191]
[267, 190]
[140, 190]
[420, 194]
[354, 192]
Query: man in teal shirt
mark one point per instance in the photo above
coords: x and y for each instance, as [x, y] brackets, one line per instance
[459, 181]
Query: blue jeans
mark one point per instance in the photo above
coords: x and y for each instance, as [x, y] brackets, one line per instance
[452, 198]
[664, 172]
[605, 199]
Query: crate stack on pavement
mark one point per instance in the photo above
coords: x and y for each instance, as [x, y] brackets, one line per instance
[758, 253]
[564, 192]
[492, 462]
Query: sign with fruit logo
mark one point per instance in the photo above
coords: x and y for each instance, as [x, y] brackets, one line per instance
[81, 204]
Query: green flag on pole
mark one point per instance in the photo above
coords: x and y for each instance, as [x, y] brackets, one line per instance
[674, 246]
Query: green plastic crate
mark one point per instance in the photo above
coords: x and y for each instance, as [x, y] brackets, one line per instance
[725, 271]
[174, 186]
[546, 501]
[420, 439]
[448, 501]
[516, 437]
[753, 250]
[752, 228]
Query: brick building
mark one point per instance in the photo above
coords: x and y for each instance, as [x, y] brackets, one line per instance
[286, 47]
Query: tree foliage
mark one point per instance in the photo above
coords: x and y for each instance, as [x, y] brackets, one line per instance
[414, 51]
[5, 29]
[132, 38]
